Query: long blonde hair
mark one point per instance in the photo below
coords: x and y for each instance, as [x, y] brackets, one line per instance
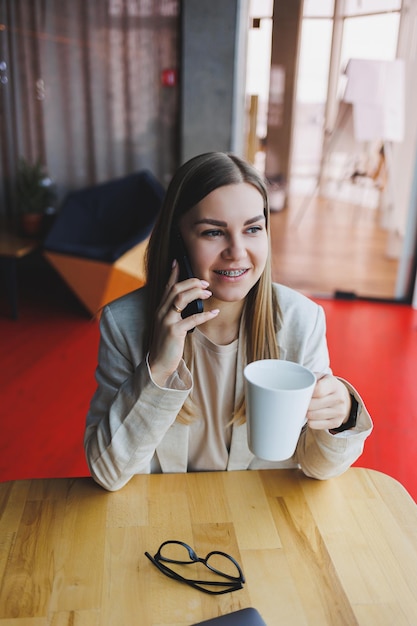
[192, 182]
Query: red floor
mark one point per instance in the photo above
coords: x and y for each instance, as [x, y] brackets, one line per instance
[48, 357]
[374, 346]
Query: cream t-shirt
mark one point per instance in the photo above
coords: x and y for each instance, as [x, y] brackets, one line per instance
[214, 375]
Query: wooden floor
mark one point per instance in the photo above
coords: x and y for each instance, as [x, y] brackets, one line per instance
[323, 246]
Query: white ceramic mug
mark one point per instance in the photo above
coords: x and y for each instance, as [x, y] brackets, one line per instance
[277, 397]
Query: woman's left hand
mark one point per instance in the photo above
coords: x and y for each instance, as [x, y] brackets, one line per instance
[330, 404]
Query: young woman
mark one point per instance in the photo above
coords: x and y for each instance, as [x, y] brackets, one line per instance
[170, 387]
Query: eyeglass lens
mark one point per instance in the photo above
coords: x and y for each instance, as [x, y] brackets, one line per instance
[216, 561]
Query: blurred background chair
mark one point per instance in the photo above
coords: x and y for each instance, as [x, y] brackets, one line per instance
[98, 240]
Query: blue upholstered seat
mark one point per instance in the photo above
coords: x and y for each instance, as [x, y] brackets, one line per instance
[105, 221]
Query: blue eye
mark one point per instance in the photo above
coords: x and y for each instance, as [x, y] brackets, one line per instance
[254, 229]
[211, 233]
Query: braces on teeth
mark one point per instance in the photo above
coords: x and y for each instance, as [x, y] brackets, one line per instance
[231, 273]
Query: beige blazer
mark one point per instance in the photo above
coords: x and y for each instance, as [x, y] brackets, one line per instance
[131, 425]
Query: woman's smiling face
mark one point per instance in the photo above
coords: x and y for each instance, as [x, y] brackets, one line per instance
[226, 240]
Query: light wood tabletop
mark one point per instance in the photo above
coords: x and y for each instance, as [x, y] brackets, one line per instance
[342, 551]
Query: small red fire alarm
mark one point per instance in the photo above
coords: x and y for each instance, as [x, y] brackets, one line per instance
[169, 78]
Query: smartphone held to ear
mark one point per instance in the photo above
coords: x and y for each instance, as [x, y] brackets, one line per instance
[186, 272]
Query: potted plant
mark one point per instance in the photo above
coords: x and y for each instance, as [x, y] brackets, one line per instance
[35, 192]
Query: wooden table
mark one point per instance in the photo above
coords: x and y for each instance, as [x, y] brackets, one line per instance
[13, 248]
[343, 551]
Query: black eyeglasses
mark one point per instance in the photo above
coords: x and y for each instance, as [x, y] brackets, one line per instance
[220, 563]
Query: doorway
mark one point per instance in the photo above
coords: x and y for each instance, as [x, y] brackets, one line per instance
[329, 233]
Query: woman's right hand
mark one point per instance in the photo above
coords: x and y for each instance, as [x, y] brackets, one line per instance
[171, 329]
